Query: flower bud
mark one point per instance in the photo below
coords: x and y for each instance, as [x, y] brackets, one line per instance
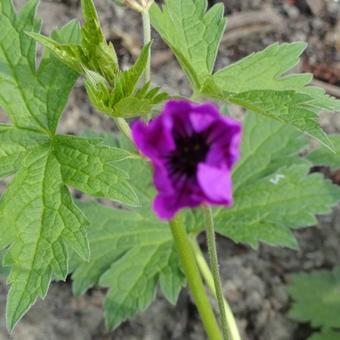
[139, 5]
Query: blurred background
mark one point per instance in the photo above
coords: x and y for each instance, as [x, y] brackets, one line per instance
[254, 281]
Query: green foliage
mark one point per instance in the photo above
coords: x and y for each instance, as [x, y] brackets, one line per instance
[43, 220]
[124, 99]
[258, 83]
[131, 252]
[91, 52]
[110, 90]
[192, 33]
[89, 166]
[137, 168]
[3, 270]
[29, 105]
[273, 192]
[321, 156]
[316, 297]
[326, 335]
[38, 220]
[266, 70]
[289, 107]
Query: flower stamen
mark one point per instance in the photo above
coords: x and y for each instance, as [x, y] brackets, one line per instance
[189, 152]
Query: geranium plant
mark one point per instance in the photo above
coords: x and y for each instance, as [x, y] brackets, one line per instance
[182, 167]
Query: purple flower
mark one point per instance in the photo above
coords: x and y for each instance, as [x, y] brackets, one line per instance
[192, 148]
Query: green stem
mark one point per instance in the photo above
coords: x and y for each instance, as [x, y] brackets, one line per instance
[147, 39]
[124, 127]
[194, 278]
[209, 222]
[121, 123]
[207, 275]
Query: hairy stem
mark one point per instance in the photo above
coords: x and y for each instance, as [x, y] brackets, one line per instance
[147, 39]
[208, 278]
[124, 127]
[194, 278]
[209, 223]
[121, 123]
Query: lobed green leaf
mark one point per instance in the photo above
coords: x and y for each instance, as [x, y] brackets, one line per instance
[192, 33]
[14, 144]
[267, 209]
[316, 298]
[273, 192]
[267, 145]
[266, 70]
[289, 107]
[259, 83]
[88, 165]
[38, 219]
[131, 252]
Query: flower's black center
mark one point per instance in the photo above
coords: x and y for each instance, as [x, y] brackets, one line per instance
[190, 151]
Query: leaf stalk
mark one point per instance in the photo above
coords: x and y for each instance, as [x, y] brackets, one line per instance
[124, 127]
[194, 278]
[208, 278]
[210, 230]
[147, 40]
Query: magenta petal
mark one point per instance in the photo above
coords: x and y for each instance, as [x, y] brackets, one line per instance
[155, 139]
[161, 178]
[220, 156]
[216, 184]
[177, 107]
[203, 116]
[225, 138]
[164, 207]
[192, 148]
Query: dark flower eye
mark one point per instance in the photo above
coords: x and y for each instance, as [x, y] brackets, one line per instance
[192, 148]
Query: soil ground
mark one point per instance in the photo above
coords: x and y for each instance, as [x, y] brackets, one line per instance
[254, 281]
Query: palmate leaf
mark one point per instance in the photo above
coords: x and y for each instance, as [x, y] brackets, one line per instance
[266, 210]
[266, 146]
[89, 166]
[289, 107]
[260, 84]
[266, 70]
[131, 252]
[273, 192]
[38, 219]
[192, 33]
[316, 297]
[14, 144]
